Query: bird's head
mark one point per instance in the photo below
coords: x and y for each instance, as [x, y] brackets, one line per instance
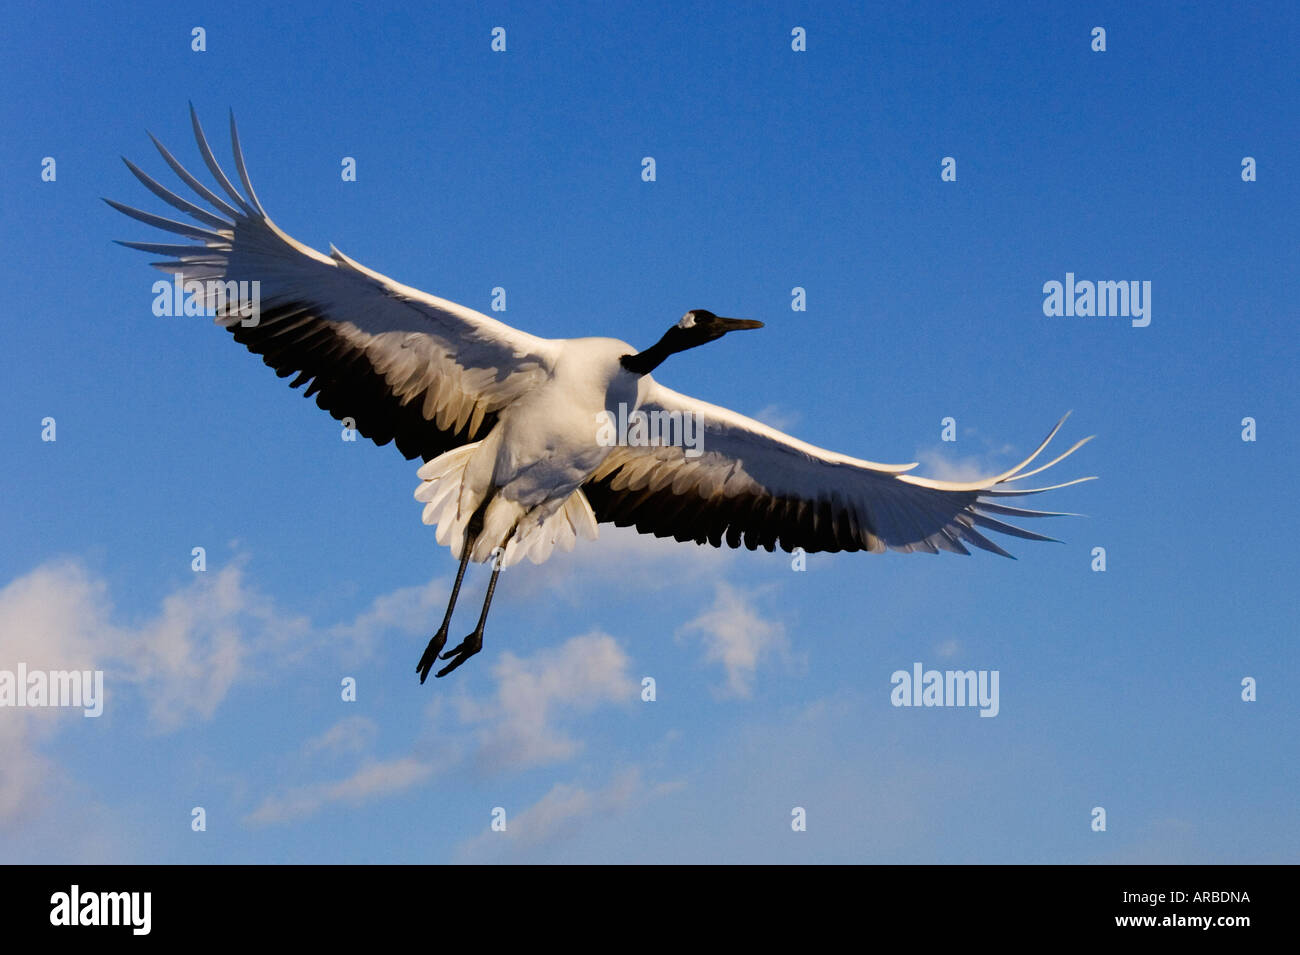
[699, 326]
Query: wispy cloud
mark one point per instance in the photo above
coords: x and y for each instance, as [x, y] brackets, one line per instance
[216, 631]
[206, 636]
[372, 780]
[947, 649]
[26, 772]
[560, 814]
[352, 734]
[943, 467]
[620, 554]
[776, 416]
[408, 610]
[55, 617]
[736, 635]
[943, 464]
[518, 725]
[182, 662]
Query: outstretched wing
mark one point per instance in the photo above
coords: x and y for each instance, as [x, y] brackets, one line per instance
[756, 485]
[405, 366]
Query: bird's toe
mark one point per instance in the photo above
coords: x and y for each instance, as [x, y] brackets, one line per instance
[431, 654]
[462, 652]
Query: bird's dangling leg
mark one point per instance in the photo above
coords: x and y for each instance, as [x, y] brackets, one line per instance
[440, 638]
[474, 642]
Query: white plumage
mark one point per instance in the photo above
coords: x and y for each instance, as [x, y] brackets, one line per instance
[506, 422]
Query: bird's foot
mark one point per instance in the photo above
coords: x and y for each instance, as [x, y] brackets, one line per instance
[466, 649]
[431, 653]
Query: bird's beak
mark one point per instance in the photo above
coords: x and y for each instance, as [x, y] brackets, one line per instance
[736, 324]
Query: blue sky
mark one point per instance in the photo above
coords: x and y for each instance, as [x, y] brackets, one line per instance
[775, 169]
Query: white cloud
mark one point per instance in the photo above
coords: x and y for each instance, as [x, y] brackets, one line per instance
[206, 635]
[372, 780]
[939, 466]
[50, 619]
[25, 774]
[561, 813]
[775, 416]
[352, 734]
[947, 649]
[619, 555]
[53, 617]
[515, 727]
[216, 631]
[408, 610]
[517, 724]
[737, 636]
[990, 458]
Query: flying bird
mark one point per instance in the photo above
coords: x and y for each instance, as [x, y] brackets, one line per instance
[512, 429]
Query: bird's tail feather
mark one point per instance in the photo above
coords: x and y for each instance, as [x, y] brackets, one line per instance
[536, 537]
[533, 534]
[441, 480]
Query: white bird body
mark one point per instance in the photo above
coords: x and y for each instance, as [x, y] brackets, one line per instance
[506, 422]
[534, 463]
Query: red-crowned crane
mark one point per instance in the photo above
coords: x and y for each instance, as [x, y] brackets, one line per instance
[514, 430]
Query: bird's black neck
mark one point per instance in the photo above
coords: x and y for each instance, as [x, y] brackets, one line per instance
[644, 362]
